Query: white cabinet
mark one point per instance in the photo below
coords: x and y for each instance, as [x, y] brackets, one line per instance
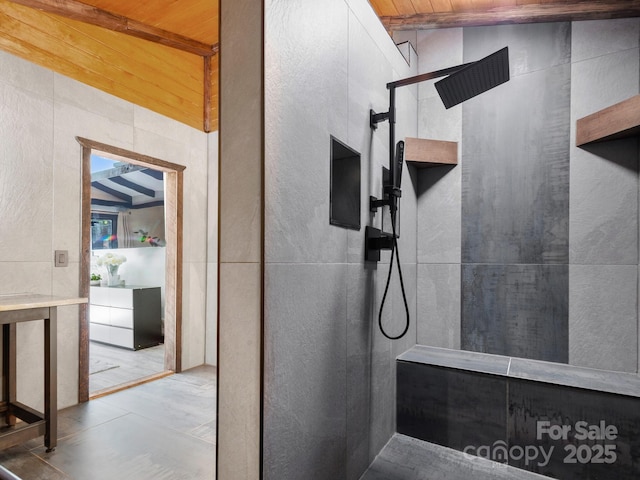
[128, 317]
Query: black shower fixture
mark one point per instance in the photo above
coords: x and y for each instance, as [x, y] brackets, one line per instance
[461, 83]
[474, 79]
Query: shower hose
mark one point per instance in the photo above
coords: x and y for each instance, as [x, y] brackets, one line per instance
[394, 248]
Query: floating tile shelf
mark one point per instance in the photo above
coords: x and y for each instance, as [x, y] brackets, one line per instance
[430, 153]
[621, 120]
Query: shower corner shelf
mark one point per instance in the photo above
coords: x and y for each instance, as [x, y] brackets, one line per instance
[423, 153]
[621, 120]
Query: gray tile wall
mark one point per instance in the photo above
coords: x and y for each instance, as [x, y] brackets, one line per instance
[515, 196]
[439, 200]
[329, 372]
[526, 200]
[603, 246]
[516, 310]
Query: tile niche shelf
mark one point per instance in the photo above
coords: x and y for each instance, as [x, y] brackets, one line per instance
[621, 120]
[423, 153]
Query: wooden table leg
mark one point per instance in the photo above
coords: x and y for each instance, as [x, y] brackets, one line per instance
[51, 380]
[9, 368]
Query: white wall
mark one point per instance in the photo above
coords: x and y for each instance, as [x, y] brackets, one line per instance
[143, 267]
[41, 113]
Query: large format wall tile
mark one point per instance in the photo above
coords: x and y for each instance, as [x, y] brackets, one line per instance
[370, 372]
[600, 82]
[532, 47]
[359, 342]
[541, 425]
[596, 38]
[439, 214]
[301, 119]
[399, 308]
[438, 319]
[604, 177]
[439, 198]
[26, 168]
[516, 310]
[434, 404]
[91, 100]
[603, 329]
[306, 371]
[437, 49]
[533, 402]
[26, 75]
[21, 277]
[604, 203]
[330, 384]
[515, 171]
[367, 90]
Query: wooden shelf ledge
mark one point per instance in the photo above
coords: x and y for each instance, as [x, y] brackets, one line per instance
[621, 120]
[425, 153]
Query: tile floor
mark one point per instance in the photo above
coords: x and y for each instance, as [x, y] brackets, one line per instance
[407, 458]
[162, 430]
[113, 366]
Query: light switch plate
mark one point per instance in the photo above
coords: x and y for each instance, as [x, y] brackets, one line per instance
[62, 258]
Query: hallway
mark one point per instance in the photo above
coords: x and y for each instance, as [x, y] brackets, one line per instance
[164, 429]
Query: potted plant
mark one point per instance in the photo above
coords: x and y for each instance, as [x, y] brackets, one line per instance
[95, 280]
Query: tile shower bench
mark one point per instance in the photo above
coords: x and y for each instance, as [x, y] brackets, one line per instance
[558, 420]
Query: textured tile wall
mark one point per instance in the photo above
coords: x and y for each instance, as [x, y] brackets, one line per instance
[459, 409]
[438, 315]
[40, 173]
[531, 402]
[305, 357]
[439, 200]
[515, 171]
[603, 245]
[516, 310]
[241, 242]
[330, 375]
[603, 320]
[435, 404]
[515, 196]
[521, 203]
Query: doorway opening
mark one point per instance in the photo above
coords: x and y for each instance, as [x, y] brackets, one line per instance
[131, 264]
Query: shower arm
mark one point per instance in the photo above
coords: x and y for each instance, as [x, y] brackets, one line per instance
[392, 191]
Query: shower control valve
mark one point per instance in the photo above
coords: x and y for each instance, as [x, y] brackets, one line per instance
[376, 240]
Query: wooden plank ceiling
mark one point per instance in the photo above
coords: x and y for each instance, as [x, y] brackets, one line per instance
[148, 55]
[424, 14]
[163, 54]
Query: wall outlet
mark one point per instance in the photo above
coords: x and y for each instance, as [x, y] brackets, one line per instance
[61, 258]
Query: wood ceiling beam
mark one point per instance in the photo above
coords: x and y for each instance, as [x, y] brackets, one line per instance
[208, 73]
[95, 16]
[527, 13]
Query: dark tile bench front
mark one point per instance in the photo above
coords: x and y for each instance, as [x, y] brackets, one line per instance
[558, 420]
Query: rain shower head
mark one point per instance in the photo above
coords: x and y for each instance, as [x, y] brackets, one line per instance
[474, 78]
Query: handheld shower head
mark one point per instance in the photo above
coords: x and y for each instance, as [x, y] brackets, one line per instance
[399, 159]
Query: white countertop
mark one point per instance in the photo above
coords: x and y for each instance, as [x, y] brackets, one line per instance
[24, 301]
